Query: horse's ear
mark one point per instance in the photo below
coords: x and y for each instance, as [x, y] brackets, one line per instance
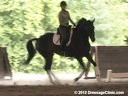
[93, 20]
[83, 19]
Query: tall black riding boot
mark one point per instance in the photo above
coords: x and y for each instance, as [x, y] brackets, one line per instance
[63, 46]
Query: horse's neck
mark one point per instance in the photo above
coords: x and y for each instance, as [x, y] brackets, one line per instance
[79, 38]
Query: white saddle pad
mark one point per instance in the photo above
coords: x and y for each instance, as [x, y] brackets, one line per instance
[56, 39]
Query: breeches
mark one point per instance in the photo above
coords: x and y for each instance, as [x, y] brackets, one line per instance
[65, 34]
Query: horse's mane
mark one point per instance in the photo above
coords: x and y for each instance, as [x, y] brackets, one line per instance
[82, 23]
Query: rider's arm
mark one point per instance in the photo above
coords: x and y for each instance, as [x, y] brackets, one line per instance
[71, 20]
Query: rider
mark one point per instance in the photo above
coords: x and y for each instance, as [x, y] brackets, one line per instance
[64, 28]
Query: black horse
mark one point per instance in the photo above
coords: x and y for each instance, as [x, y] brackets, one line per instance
[79, 47]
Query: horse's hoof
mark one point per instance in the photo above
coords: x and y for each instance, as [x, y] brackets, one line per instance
[85, 77]
[56, 83]
[76, 79]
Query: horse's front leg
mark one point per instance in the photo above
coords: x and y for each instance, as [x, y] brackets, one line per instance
[79, 59]
[97, 73]
[77, 78]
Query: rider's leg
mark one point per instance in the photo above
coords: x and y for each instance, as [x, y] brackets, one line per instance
[63, 33]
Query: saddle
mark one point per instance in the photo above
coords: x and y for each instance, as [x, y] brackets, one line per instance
[57, 38]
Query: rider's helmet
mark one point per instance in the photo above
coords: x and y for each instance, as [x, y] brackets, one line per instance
[63, 3]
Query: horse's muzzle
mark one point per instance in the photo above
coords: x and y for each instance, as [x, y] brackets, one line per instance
[92, 39]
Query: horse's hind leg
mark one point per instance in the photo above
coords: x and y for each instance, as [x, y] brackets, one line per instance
[52, 77]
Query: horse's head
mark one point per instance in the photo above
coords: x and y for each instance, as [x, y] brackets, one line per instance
[86, 28]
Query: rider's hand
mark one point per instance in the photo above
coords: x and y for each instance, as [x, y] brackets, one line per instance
[74, 25]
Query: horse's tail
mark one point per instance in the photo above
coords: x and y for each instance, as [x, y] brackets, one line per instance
[31, 50]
